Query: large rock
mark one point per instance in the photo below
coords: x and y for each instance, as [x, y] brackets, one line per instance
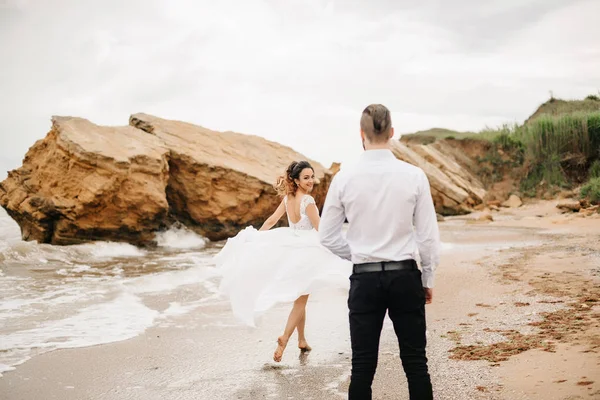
[484, 216]
[85, 182]
[569, 205]
[222, 182]
[513, 201]
[455, 190]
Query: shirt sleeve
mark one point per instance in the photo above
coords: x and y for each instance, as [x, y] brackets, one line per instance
[427, 232]
[332, 220]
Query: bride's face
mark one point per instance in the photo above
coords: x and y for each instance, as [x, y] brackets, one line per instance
[306, 180]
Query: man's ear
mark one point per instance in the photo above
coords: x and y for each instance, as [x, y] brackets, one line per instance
[362, 138]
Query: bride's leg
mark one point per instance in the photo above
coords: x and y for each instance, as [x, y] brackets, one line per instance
[302, 343]
[292, 322]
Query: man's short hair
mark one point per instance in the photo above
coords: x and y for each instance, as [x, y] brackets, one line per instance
[376, 122]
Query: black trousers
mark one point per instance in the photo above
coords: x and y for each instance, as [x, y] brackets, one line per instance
[401, 294]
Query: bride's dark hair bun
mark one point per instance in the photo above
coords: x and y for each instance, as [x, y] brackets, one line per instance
[286, 184]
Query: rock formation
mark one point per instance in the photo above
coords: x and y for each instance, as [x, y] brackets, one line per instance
[513, 201]
[455, 190]
[221, 182]
[85, 182]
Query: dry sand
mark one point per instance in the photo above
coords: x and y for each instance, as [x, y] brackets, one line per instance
[515, 316]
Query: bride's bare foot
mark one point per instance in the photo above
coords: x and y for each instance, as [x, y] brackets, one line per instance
[303, 345]
[281, 343]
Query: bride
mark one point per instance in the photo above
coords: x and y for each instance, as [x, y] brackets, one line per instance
[269, 266]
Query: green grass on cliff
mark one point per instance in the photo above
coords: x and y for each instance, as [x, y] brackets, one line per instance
[594, 171]
[559, 150]
[557, 107]
[591, 190]
[558, 146]
[433, 134]
[562, 139]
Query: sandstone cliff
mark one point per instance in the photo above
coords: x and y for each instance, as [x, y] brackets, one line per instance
[220, 182]
[455, 190]
[86, 182]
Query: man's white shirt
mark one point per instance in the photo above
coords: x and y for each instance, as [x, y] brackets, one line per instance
[391, 217]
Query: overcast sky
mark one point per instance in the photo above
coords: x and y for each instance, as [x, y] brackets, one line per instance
[297, 72]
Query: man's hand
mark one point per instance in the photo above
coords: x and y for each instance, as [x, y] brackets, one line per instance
[428, 295]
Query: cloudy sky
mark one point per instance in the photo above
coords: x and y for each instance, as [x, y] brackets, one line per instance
[298, 72]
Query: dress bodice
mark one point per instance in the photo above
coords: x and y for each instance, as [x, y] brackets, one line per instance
[304, 223]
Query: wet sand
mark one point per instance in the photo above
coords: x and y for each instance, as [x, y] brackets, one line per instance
[501, 277]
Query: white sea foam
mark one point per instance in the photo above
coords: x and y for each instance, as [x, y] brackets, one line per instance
[180, 238]
[103, 250]
[74, 296]
[168, 281]
[122, 318]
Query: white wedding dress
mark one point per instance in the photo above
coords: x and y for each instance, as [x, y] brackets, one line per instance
[262, 268]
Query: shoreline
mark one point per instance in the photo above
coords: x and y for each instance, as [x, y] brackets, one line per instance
[480, 295]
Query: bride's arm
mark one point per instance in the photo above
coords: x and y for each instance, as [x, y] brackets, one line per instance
[274, 218]
[313, 214]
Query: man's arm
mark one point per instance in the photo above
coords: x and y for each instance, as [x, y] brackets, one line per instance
[427, 232]
[332, 220]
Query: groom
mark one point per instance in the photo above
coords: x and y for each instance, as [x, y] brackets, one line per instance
[391, 216]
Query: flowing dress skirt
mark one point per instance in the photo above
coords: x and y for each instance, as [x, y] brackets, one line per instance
[262, 268]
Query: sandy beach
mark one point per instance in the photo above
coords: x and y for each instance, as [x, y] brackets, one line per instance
[514, 316]
[138, 137]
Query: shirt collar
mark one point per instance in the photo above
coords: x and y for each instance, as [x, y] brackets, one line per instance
[377, 155]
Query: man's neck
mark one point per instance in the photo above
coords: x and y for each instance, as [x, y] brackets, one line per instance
[377, 146]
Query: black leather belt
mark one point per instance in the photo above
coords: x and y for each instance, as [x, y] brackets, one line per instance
[384, 266]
